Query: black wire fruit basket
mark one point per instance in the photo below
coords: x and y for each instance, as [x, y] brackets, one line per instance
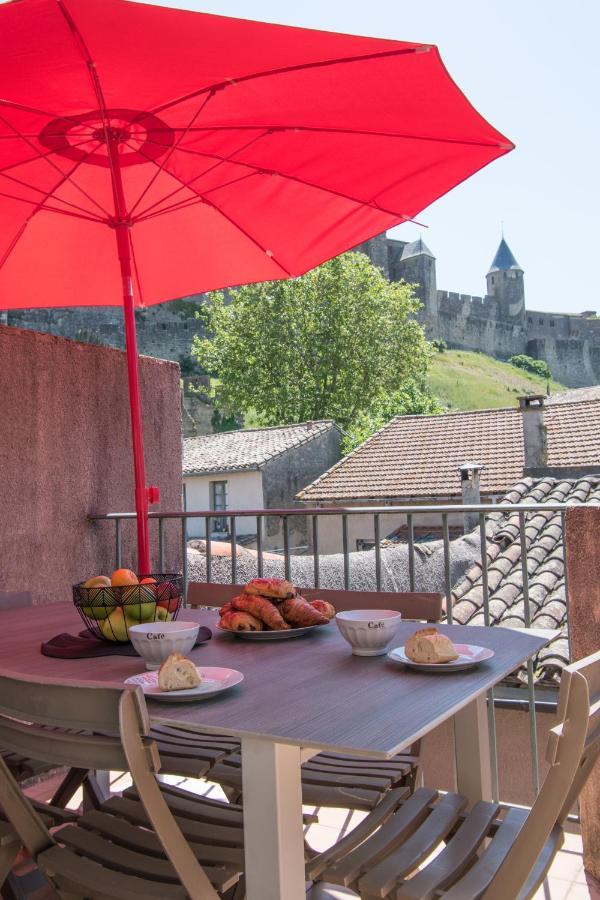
[108, 611]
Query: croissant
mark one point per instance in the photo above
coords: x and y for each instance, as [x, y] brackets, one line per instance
[299, 613]
[322, 606]
[262, 609]
[277, 588]
[240, 621]
[227, 607]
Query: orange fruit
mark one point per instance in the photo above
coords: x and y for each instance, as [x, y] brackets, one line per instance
[122, 577]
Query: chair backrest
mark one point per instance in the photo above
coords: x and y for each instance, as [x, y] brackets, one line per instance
[83, 720]
[573, 748]
[426, 606]
[94, 726]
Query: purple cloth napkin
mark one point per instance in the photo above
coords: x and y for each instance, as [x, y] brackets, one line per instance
[85, 645]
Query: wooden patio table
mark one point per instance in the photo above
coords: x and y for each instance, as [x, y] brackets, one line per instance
[299, 697]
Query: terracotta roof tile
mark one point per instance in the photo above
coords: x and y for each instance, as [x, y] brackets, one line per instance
[545, 569]
[417, 457]
[231, 451]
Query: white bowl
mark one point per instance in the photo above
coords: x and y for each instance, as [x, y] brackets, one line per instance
[154, 641]
[368, 631]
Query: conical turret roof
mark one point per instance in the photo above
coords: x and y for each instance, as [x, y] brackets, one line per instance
[504, 259]
[416, 248]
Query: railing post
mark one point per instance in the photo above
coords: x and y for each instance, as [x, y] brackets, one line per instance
[377, 535]
[286, 548]
[447, 580]
[490, 694]
[315, 543]
[118, 559]
[535, 772]
[233, 540]
[259, 546]
[184, 558]
[345, 552]
[411, 551]
[161, 544]
[208, 547]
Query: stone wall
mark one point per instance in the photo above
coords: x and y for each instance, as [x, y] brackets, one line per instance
[165, 331]
[286, 475]
[65, 452]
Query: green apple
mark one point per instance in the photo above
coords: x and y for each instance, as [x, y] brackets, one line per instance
[114, 627]
[139, 603]
[162, 615]
[103, 604]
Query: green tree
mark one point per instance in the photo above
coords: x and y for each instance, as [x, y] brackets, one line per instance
[412, 399]
[330, 344]
[535, 366]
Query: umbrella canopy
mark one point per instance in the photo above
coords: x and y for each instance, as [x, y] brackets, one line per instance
[149, 153]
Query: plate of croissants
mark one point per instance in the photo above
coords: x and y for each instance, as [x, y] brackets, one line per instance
[273, 609]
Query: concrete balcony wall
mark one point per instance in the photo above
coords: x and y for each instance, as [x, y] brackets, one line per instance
[65, 451]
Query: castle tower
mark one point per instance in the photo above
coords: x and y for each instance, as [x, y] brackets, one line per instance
[417, 266]
[505, 283]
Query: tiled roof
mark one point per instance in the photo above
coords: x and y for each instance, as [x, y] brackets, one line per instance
[545, 568]
[232, 451]
[417, 457]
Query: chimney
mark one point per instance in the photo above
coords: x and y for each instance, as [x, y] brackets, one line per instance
[534, 432]
[470, 476]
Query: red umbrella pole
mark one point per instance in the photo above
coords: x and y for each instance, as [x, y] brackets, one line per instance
[124, 250]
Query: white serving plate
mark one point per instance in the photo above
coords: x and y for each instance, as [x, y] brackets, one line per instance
[282, 635]
[469, 656]
[215, 679]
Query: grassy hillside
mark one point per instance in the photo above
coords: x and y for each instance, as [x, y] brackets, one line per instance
[464, 380]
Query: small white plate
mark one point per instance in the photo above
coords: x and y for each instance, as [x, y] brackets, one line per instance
[268, 635]
[469, 656]
[215, 679]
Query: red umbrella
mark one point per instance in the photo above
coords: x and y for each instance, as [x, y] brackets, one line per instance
[207, 152]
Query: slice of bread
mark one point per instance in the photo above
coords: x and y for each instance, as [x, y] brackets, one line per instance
[178, 673]
[428, 645]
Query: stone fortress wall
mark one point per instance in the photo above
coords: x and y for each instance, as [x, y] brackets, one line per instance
[498, 323]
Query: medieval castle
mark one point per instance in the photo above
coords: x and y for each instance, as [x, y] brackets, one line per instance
[498, 324]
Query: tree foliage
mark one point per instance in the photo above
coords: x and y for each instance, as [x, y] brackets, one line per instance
[535, 366]
[334, 343]
[413, 398]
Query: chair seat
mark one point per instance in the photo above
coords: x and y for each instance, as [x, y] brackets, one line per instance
[430, 847]
[333, 780]
[112, 852]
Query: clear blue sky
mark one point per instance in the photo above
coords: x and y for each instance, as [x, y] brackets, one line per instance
[532, 67]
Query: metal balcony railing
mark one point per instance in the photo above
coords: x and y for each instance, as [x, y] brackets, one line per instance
[313, 517]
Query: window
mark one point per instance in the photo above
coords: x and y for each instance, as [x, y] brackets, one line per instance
[218, 502]
[541, 321]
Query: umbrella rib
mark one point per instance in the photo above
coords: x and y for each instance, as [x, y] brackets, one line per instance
[191, 201]
[264, 171]
[39, 112]
[172, 149]
[283, 70]
[45, 156]
[504, 145]
[49, 194]
[40, 205]
[62, 212]
[220, 161]
[246, 234]
[135, 268]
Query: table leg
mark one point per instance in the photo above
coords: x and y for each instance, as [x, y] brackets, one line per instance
[472, 751]
[273, 833]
